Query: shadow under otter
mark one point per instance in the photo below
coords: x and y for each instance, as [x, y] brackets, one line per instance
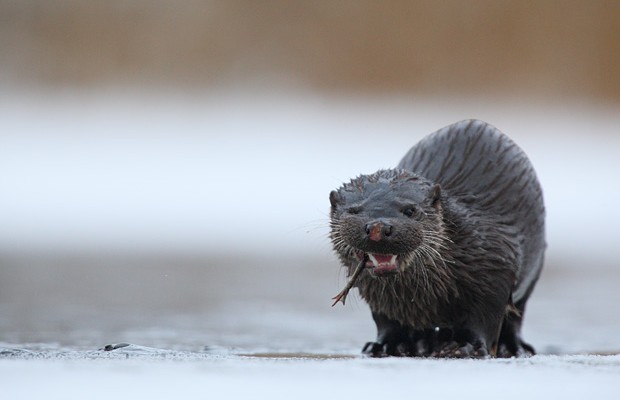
[451, 243]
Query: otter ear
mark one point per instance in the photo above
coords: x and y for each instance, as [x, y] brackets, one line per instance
[436, 196]
[335, 199]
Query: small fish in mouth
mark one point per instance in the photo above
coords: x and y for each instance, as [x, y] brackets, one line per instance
[382, 264]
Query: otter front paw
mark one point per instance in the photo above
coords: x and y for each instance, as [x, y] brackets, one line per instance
[377, 350]
[519, 349]
[461, 350]
[415, 348]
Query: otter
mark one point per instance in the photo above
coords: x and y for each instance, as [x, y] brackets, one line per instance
[449, 245]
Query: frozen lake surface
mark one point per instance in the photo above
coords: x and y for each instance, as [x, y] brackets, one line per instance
[232, 333]
[165, 376]
[194, 228]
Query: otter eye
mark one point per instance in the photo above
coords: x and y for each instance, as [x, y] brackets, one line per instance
[353, 210]
[409, 211]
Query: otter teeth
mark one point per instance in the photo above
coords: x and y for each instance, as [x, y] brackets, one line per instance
[373, 259]
[383, 261]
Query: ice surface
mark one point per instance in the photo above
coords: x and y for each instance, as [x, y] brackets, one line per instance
[157, 377]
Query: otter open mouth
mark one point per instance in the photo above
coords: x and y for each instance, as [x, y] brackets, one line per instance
[382, 264]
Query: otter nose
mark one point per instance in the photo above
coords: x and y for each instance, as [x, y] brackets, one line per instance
[377, 230]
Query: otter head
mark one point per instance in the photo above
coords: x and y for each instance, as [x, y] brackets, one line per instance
[388, 218]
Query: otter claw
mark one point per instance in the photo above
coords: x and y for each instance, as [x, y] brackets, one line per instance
[375, 350]
[380, 350]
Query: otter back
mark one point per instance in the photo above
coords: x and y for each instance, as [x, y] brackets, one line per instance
[475, 162]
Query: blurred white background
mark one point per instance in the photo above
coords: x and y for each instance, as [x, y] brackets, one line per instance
[249, 173]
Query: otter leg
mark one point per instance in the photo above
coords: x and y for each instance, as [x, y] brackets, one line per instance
[424, 341]
[393, 338]
[510, 342]
[474, 338]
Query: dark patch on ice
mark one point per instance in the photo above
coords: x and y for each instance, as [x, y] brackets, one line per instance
[301, 356]
[110, 347]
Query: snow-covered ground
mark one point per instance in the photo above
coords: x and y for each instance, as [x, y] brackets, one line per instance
[194, 227]
[541, 377]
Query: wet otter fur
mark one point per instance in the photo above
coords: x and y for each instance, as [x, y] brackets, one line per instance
[453, 243]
